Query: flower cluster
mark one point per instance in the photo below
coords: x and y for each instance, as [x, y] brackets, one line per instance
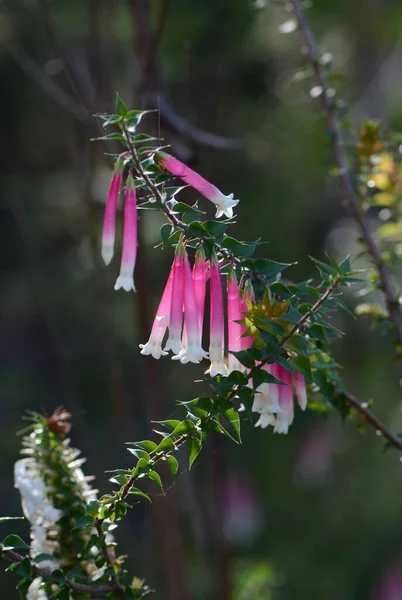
[224, 206]
[181, 313]
[274, 401]
[179, 320]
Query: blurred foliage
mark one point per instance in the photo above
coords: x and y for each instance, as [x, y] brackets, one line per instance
[321, 507]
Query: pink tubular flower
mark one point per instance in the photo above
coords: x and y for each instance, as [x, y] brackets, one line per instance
[235, 330]
[266, 399]
[224, 204]
[109, 220]
[191, 350]
[126, 278]
[176, 308]
[285, 397]
[300, 388]
[199, 276]
[216, 340]
[161, 322]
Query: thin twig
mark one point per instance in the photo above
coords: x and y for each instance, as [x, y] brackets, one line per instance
[99, 589]
[53, 90]
[370, 418]
[344, 172]
[331, 289]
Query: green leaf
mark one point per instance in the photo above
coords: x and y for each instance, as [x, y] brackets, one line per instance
[120, 106]
[156, 478]
[173, 464]
[141, 467]
[138, 492]
[238, 248]
[215, 228]
[194, 448]
[115, 137]
[42, 556]
[196, 229]
[166, 444]
[14, 541]
[246, 397]
[139, 453]
[144, 444]
[84, 522]
[166, 231]
[233, 417]
[302, 364]
[261, 376]
[171, 424]
[22, 568]
[185, 427]
[93, 508]
[3, 519]
[269, 268]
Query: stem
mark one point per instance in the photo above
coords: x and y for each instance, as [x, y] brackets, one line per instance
[313, 309]
[101, 589]
[154, 189]
[345, 176]
[370, 418]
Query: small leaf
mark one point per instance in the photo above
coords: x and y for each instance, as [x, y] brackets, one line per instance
[84, 522]
[138, 492]
[145, 445]
[3, 519]
[92, 508]
[233, 417]
[185, 426]
[173, 464]
[120, 106]
[42, 556]
[194, 448]
[171, 424]
[156, 478]
[14, 541]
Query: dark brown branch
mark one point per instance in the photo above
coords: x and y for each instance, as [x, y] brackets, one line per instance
[32, 69]
[370, 418]
[146, 45]
[100, 589]
[181, 125]
[344, 173]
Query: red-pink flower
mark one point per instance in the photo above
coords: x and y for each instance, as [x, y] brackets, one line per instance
[161, 322]
[235, 330]
[109, 220]
[224, 204]
[200, 277]
[216, 339]
[191, 350]
[176, 308]
[129, 254]
[266, 399]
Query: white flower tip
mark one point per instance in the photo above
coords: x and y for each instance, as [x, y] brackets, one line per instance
[281, 426]
[107, 253]
[225, 206]
[302, 400]
[126, 283]
[174, 346]
[217, 368]
[155, 351]
[265, 420]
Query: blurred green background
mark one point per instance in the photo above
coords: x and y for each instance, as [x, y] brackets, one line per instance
[311, 516]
